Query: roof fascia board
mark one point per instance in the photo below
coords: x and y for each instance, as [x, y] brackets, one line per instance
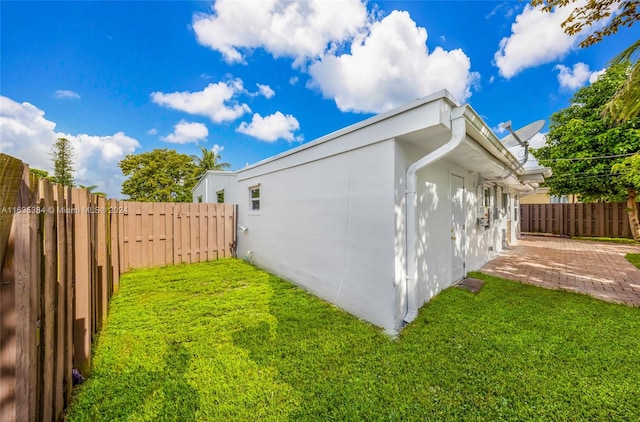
[212, 172]
[443, 95]
[485, 137]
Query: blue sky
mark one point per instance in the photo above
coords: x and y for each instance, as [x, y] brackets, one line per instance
[254, 79]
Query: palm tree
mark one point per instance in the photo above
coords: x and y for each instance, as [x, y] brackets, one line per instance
[625, 104]
[210, 160]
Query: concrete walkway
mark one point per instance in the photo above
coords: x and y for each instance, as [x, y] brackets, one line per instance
[598, 269]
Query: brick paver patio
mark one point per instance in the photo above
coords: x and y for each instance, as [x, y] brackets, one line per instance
[598, 269]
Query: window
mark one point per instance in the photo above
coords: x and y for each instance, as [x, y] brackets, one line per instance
[254, 198]
[487, 201]
[506, 205]
[220, 196]
[199, 198]
[564, 199]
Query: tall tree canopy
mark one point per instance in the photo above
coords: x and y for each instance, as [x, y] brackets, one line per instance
[161, 175]
[63, 160]
[209, 160]
[592, 155]
[625, 104]
[43, 174]
[625, 13]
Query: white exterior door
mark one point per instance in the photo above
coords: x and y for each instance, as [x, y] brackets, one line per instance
[457, 228]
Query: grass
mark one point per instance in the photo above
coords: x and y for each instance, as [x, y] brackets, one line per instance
[606, 239]
[634, 258]
[226, 341]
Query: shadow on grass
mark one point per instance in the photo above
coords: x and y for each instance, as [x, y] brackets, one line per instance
[146, 395]
[515, 352]
[179, 397]
[256, 347]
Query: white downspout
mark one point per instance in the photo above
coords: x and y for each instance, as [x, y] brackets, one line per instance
[458, 134]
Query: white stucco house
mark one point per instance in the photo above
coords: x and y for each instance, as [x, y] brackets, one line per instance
[380, 216]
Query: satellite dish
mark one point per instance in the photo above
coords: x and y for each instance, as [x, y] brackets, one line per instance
[521, 136]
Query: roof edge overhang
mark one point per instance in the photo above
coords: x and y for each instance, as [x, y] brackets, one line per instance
[480, 132]
[517, 176]
[535, 175]
[443, 95]
[208, 172]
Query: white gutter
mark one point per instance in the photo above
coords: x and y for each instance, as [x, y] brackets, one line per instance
[458, 134]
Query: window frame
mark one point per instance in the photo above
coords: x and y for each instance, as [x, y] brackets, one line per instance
[219, 194]
[255, 201]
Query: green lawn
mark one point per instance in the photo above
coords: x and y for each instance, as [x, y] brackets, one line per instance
[634, 258]
[226, 341]
[606, 239]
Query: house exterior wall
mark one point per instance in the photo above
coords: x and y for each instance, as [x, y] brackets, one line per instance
[542, 197]
[326, 226]
[435, 248]
[214, 182]
[333, 212]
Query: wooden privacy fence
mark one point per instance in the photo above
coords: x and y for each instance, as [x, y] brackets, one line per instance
[589, 220]
[158, 234]
[62, 251]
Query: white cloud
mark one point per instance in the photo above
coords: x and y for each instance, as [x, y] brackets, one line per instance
[596, 74]
[152, 131]
[572, 79]
[215, 101]
[27, 135]
[538, 140]
[266, 91]
[271, 128]
[97, 160]
[217, 149]
[298, 29]
[503, 10]
[389, 66]
[500, 129]
[293, 80]
[66, 94]
[388, 63]
[536, 38]
[187, 132]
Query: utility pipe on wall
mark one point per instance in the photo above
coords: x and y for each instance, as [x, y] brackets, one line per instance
[458, 134]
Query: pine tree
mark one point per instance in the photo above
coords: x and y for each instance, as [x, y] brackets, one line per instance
[63, 160]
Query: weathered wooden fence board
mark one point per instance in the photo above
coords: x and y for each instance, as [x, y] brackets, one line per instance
[589, 220]
[62, 251]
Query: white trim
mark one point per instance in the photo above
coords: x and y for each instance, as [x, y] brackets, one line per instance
[458, 135]
[252, 200]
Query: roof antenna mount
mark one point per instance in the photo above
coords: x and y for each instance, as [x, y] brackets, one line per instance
[521, 136]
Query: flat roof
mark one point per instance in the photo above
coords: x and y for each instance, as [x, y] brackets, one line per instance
[439, 95]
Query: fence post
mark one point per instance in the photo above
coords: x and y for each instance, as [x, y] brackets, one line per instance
[11, 174]
[47, 298]
[82, 282]
[60, 266]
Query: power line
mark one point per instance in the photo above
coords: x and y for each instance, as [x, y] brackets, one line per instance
[585, 175]
[588, 158]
